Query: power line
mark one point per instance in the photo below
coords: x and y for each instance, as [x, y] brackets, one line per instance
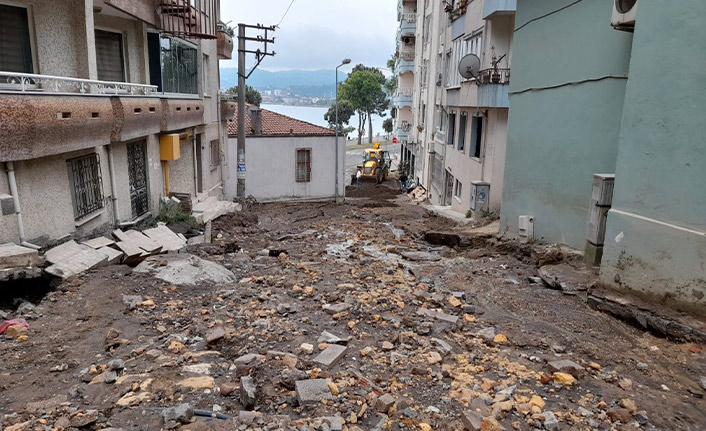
[285, 13]
[548, 14]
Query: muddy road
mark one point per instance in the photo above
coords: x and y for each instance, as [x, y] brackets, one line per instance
[341, 317]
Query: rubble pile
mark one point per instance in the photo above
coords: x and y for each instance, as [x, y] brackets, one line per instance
[348, 325]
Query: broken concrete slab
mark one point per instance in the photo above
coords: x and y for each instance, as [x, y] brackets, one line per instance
[248, 392]
[472, 421]
[330, 356]
[438, 315]
[420, 256]
[337, 308]
[70, 259]
[567, 278]
[114, 256]
[384, 403]
[132, 253]
[313, 391]
[329, 338]
[138, 239]
[168, 240]
[99, 242]
[249, 358]
[16, 256]
[186, 270]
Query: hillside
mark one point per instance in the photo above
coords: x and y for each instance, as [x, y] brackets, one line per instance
[315, 83]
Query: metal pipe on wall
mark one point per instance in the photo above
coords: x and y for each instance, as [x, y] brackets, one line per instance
[16, 200]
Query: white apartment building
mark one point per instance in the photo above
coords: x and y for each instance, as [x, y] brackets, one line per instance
[459, 125]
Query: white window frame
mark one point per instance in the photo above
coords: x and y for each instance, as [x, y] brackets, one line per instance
[458, 189]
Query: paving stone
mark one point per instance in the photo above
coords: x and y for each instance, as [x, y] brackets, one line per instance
[437, 315]
[16, 256]
[312, 391]
[248, 392]
[472, 421]
[384, 403]
[331, 356]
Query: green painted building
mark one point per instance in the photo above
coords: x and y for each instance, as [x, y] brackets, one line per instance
[587, 98]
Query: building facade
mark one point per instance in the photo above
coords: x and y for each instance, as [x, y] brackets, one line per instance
[458, 129]
[88, 90]
[588, 103]
[287, 158]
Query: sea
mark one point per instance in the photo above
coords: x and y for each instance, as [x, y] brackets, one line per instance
[315, 115]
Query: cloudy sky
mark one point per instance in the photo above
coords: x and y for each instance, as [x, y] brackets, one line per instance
[318, 34]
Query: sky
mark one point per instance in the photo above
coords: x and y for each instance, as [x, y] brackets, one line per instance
[318, 34]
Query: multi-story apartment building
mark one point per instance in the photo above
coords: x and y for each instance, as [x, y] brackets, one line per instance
[459, 125]
[106, 106]
[402, 100]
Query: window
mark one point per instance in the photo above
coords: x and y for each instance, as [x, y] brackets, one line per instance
[215, 154]
[447, 69]
[476, 134]
[423, 113]
[457, 53]
[173, 64]
[458, 189]
[86, 184]
[303, 166]
[473, 44]
[442, 120]
[15, 44]
[462, 132]
[452, 129]
[109, 56]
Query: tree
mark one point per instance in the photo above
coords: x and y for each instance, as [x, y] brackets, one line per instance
[345, 112]
[387, 125]
[391, 84]
[252, 96]
[364, 90]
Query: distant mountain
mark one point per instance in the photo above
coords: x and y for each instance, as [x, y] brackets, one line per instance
[315, 83]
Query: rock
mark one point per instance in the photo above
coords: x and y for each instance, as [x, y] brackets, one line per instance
[248, 392]
[329, 338]
[443, 345]
[306, 348]
[116, 365]
[249, 359]
[642, 366]
[472, 421]
[558, 348]
[83, 418]
[551, 423]
[500, 338]
[433, 358]
[181, 414]
[384, 403]
[197, 383]
[284, 308]
[490, 424]
[642, 418]
[536, 400]
[702, 382]
[112, 334]
[487, 334]
[288, 378]
[246, 417]
[566, 366]
[420, 256]
[110, 377]
[16, 331]
[563, 379]
[312, 391]
[337, 308]
[331, 356]
[131, 301]
[629, 405]
[228, 388]
[215, 334]
[437, 315]
[386, 345]
[595, 366]
[25, 308]
[621, 415]
[185, 269]
[153, 354]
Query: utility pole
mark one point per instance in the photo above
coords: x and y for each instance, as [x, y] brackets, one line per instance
[260, 55]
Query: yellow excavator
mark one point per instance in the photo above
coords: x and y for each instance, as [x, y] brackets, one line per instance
[376, 164]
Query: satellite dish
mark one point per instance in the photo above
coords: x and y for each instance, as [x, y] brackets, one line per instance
[469, 66]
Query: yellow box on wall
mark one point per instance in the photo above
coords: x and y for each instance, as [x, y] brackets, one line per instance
[169, 147]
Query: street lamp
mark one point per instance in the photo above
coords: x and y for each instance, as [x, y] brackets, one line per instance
[344, 62]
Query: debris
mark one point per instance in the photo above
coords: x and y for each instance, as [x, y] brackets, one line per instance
[331, 356]
[313, 391]
[563, 379]
[621, 415]
[500, 338]
[181, 414]
[186, 270]
[14, 329]
[551, 423]
[215, 334]
[437, 315]
[384, 403]
[248, 392]
[566, 366]
[472, 420]
[197, 383]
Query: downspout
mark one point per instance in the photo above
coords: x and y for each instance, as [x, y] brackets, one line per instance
[16, 199]
[113, 186]
[196, 170]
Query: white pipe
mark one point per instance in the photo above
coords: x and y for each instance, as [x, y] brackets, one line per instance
[113, 186]
[18, 210]
[196, 161]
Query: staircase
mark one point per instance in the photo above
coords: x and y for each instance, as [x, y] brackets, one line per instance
[207, 208]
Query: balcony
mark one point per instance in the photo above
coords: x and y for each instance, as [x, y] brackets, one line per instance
[493, 8]
[404, 66]
[47, 115]
[224, 46]
[409, 23]
[404, 98]
[493, 86]
[228, 105]
[402, 132]
[181, 18]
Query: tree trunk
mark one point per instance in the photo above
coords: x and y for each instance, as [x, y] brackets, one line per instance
[360, 128]
[370, 127]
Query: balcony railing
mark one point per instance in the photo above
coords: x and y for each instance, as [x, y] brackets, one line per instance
[493, 76]
[27, 83]
[409, 17]
[405, 92]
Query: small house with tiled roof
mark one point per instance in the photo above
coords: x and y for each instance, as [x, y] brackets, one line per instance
[285, 158]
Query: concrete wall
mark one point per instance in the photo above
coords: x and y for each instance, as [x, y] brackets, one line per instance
[559, 137]
[656, 232]
[271, 164]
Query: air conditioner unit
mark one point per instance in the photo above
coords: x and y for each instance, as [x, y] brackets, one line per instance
[624, 14]
[407, 40]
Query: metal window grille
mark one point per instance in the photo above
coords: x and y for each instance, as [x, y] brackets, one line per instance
[215, 154]
[137, 175]
[86, 185]
[303, 166]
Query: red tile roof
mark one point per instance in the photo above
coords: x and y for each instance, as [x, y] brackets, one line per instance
[274, 124]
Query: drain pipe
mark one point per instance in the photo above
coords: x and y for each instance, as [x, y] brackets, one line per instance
[16, 199]
[113, 187]
[196, 161]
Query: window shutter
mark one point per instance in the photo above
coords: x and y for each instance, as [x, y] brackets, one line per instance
[109, 56]
[15, 47]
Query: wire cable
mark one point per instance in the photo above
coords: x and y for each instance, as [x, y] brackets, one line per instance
[548, 14]
[285, 14]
